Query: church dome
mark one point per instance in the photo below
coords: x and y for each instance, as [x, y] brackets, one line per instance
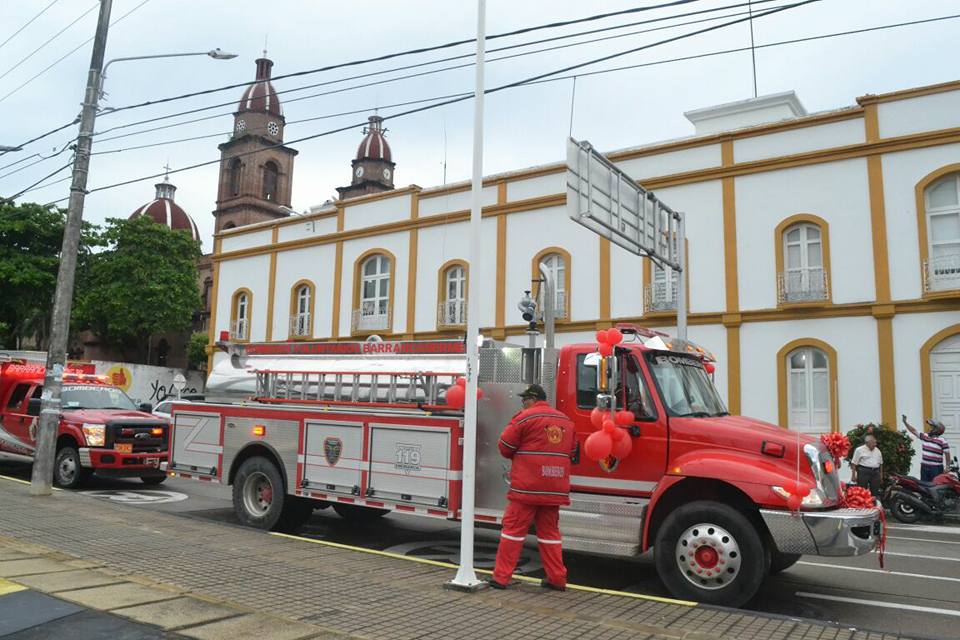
[374, 145]
[165, 211]
[261, 96]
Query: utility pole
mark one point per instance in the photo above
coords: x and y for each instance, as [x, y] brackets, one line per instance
[49, 421]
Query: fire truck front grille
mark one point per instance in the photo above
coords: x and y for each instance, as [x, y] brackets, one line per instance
[139, 437]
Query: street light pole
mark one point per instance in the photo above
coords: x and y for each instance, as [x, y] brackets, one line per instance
[49, 420]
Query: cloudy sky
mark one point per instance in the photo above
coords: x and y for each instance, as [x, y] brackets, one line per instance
[525, 126]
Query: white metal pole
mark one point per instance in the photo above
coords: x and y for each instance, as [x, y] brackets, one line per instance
[466, 577]
[682, 278]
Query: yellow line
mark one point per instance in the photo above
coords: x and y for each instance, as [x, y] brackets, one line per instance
[9, 587]
[27, 482]
[448, 565]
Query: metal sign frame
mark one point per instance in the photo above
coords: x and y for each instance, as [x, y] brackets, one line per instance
[606, 200]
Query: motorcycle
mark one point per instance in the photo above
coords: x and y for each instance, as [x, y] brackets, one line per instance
[909, 498]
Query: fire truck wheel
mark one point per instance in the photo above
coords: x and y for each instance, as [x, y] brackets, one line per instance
[67, 472]
[258, 494]
[782, 561]
[152, 479]
[358, 514]
[710, 552]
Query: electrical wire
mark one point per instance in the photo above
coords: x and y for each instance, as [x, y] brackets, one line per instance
[19, 161]
[29, 22]
[461, 98]
[34, 185]
[48, 41]
[64, 57]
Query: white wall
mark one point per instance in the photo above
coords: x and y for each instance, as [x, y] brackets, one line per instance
[447, 202]
[793, 141]
[316, 264]
[307, 228]
[669, 162]
[925, 113]
[535, 187]
[254, 274]
[237, 241]
[393, 208]
[834, 191]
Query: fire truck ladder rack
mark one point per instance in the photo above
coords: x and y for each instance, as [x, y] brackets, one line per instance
[381, 388]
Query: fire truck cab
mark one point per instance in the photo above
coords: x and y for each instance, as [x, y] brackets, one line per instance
[101, 429]
[364, 427]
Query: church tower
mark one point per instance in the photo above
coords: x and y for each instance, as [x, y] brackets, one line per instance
[373, 165]
[256, 169]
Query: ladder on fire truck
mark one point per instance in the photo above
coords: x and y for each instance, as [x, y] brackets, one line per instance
[353, 387]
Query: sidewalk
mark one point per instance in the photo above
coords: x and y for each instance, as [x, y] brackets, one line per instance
[207, 580]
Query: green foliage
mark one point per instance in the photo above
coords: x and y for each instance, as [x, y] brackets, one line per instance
[896, 446]
[30, 239]
[145, 283]
[197, 350]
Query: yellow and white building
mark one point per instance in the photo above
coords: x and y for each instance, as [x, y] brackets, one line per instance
[824, 259]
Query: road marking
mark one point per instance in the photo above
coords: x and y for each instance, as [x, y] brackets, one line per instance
[449, 565]
[914, 555]
[27, 482]
[927, 528]
[10, 587]
[921, 540]
[140, 496]
[884, 571]
[877, 603]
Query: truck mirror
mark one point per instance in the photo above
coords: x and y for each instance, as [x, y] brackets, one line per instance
[146, 407]
[33, 407]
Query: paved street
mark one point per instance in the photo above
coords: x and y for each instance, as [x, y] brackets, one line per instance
[917, 592]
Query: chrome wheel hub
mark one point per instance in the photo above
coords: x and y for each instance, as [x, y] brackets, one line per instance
[257, 494]
[708, 556]
[67, 469]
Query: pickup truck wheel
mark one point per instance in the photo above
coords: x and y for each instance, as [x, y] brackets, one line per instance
[358, 514]
[258, 493]
[710, 552]
[153, 480]
[782, 561]
[67, 472]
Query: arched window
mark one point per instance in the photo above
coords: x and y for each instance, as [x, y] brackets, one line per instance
[661, 284]
[942, 208]
[240, 315]
[301, 309]
[229, 225]
[373, 312]
[803, 260]
[557, 263]
[453, 294]
[807, 386]
[270, 175]
[235, 168]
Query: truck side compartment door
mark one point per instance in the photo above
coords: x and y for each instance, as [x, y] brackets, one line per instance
[410, 463]
[196, 445]
[333, 456]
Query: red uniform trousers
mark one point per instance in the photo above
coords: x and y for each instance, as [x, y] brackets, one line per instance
[516, 523]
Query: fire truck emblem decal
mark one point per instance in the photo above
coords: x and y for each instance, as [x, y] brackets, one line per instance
[608, 464]
[332, 449]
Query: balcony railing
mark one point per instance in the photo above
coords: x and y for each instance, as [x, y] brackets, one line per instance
[660, 296]
[802, 285]
[452, 313]
[239, 330]
[371, 317]
[942, 273]
[300, 325]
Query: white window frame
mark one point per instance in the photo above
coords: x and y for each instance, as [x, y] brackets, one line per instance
[454, 309]
[804, 281]
[941, 272]
[556, 265]
[810, 424]
[242, 320]
[301, 320]
[374, 311]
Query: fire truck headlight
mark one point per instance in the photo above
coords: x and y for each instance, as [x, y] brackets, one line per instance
[95, 434]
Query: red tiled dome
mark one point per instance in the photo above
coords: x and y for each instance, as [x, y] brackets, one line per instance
[374, 146]
[165, 211]
[261, 96]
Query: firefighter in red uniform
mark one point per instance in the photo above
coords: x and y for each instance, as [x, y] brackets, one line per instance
[540, 441]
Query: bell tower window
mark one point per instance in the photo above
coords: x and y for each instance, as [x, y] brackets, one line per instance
[270, 179]
[235, 166]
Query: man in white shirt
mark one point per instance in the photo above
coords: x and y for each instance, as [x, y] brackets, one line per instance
[867, 465]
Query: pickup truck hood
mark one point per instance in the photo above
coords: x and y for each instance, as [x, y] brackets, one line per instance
[103, 416]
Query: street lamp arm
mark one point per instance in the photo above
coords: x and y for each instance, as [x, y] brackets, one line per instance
[216, 54]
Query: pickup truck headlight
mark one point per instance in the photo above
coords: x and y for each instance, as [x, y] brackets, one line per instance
[95, 434]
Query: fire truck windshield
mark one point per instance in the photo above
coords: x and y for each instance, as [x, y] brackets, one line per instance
[685, 387]
[82, 396]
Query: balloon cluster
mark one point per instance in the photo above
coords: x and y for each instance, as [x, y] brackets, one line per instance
[608, 339]
[798, 491]
[456, 395]
[837, 444]
[611, 437]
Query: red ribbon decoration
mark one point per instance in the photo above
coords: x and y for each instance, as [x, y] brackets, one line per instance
[859, 498]
[837, 444]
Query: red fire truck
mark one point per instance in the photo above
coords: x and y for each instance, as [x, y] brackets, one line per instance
[364, 427]
[101, 429]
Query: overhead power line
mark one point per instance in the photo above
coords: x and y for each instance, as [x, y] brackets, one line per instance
[49, 40]
[34, 185]
[455, 100]
[29, 22]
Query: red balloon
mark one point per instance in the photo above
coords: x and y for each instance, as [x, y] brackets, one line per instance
[803, 489]
[622, 447]
[596, 418]
[479, 393]
[461, 382]
[614, 336]
[598, 445]
[602, 336]
[710, 367]
[624, 418]
[605, 349]
[618, 435]
[790, 487]
[455, 397]
[793, 502]
[609, 426]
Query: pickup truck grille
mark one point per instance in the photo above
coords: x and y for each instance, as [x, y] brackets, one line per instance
[139, 436]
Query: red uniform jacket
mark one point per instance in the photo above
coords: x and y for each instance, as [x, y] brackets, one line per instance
[540, 441]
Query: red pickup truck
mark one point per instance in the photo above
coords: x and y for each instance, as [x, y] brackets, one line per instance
[101, 429]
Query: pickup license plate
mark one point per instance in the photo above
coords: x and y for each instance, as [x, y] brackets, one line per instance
[125, 447]
[152, 462]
